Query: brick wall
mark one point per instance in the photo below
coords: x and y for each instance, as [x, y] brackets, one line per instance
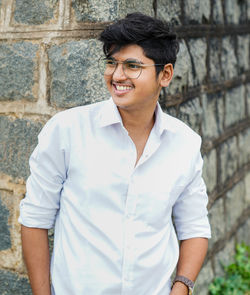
[48, 54]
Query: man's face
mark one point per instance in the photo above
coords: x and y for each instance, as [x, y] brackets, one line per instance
[133, 94]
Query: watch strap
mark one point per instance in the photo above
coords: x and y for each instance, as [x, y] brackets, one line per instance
[185, 281]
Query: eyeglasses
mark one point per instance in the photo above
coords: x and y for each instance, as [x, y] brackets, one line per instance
[131, 68]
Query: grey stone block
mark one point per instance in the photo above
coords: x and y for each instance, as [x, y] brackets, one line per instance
[214, 60]
[12, 284]
[243, 52]
[210, 170]
[198, 51]
[129, 6]
[169, 10]
[183, 76]
[224, 257]
[235, 204]
[213, 115]
[228, 59]
[91, 10]
[75, 77]
[217, 221]
[18, 64]
[217, 12]
[205, 277]
[17, 140]
[5, 240]
[228, 159]
[191, 113]
[248, 98]
[172, 111]
[109, 10]
[235, 105]
[244, 147]
[197, 11]
[34, 12]
[243, 233]
[247, 187]
[51, 240]
[232, 11]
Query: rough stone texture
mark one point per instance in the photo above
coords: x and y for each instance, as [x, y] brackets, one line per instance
[243, 233]
[217, 12]
[5, 241]
[91, 10]
[18, 66]
[214, 60]
[247, 187]
[169, 10]
[205, 277]
[191, 113]
[182, 71]
[224, 257]
[228, 59]
[213, 114]
[129, 6]
[248, 98]
[210, 170]
[75, 77]
[217, 221]
[34, 12]
[198, 49]
[228, 159]
[197, 11]
[235, 106]
[17, 140]
[244, 147]
[243, 52]
[235, 204]
[12, 284]
[232, 12]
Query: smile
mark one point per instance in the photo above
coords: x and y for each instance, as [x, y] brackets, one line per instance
[122, 89]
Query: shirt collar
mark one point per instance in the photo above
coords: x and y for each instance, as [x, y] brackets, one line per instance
[110, 115]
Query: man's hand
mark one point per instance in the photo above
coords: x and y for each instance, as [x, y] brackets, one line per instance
[179, 289]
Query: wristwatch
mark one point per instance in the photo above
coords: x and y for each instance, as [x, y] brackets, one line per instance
[185, 281]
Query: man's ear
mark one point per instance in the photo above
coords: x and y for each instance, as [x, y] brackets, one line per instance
[166, 75]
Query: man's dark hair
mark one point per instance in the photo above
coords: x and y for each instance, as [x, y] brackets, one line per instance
[155, 37]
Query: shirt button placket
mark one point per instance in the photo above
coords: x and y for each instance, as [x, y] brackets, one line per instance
[128, 239]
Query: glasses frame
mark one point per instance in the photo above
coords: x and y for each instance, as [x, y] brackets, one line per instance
[142, 65]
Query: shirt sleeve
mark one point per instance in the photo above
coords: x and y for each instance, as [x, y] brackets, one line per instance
[190, 210]
[48, 172]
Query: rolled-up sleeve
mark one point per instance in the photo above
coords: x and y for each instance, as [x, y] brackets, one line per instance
[190, 210]
[48, 172]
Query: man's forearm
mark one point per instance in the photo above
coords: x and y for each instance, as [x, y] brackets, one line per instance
[192, 255]
[36, 255]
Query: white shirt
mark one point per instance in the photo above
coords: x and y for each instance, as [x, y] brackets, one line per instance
[113, 227]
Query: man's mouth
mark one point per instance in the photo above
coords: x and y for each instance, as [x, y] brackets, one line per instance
[121, 88]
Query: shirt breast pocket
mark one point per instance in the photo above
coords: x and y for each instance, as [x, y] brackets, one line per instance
[155, 208]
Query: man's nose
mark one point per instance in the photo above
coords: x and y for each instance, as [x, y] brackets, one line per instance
[119, 72]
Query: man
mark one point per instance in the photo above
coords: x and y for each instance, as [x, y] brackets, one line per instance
[109, 176]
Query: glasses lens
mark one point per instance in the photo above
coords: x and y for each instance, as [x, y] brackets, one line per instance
[132, 70]
[107, 66]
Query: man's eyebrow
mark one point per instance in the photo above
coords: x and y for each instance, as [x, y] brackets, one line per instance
[130, 59]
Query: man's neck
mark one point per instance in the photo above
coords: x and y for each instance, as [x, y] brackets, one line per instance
[138, 121]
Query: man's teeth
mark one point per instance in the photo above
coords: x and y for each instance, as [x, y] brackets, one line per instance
[119, 87]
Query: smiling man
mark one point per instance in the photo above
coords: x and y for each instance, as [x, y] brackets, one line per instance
[111, 176]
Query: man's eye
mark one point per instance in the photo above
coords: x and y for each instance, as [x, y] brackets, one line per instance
[133, 66]
[110, 62]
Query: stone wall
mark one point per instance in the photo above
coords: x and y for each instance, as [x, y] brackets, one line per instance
[48, 54]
